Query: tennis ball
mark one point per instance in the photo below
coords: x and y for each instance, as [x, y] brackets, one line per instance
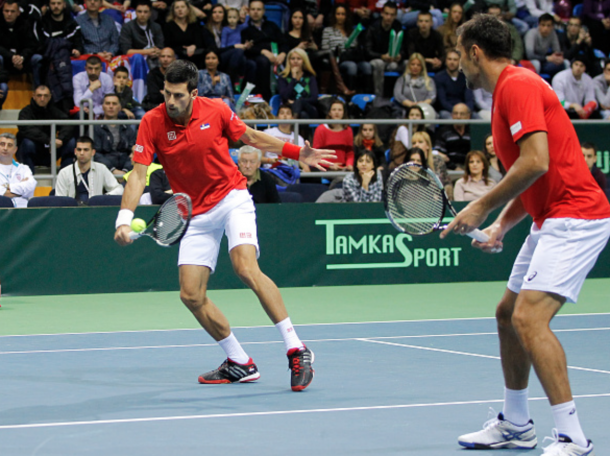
[138, 225]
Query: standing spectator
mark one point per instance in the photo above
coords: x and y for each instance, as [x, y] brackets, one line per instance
[113, 142]
[454, 140]
[337, 137]
[365, 183]
[542, 47]
[263, 34]
[212, 83]
[183, 33]
[414, 86]
[602, 94]
[596, 16]
[368, 138]
[426, 41]
[576, 91]
[130, 108]
[483, 101]
[100, 35]
[496, 169]
[297, 85]
[35, 140]
[283, 132]
[447, 30]
[155, 79]
[16, 180]
[334, 38]
[576, 41]
[518, 50]
[92, 84]
[376, 46]
[85, 178]
[17, 43]
[589, 150]
[451, 86]
[476, 182]
[142, 36]
[261, 185]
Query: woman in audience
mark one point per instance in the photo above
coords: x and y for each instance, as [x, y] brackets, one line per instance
[417, 156]
[334, 38]
[447, 30]
[476, 182]
[299, 33]
[414, 86]
[422, 140]
[215, 22]
[297, 85]
[365, 183]
[496, 170]
[400, 136]
[212, 83]
[337, 137]
[183, 33]
[368, 139]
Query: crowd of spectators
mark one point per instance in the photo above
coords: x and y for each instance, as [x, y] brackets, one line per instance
[401, 52]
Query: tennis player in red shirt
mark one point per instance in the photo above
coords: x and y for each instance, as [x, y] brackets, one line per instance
[190, 136]
[548, 179]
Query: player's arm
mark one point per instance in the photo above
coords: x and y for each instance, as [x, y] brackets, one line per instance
[305, 154]
[131, 198]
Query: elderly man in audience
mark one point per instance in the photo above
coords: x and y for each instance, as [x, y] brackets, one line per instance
[260, 184]
[156, 78]
[453, 141]
[100, 35]
[576, 90]
[92, 84]
[16, 180]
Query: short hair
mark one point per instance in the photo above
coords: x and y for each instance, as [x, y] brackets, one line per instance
[211, 50]
[576, 17]
[42, 86]
[249, 150]
[180, 71]
[144, 3]
[253, 1]
[10, 136]
[85, 139]
[93, 60]
[111, 95]
[588, 145]
[452, 51]
[546, 17]
[122, 69]
[491, 34]
[286, 106]
[11, 2]
[390, 5]
[424, 13]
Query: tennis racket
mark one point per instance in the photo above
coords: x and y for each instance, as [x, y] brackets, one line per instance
[416, 202]
[170, 222]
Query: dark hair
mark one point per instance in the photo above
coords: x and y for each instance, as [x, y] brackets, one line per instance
[605, 63]
[93, 60]
[489, 33]
[85, 139]
[347, 25]
[390, 5]
[369, 153]
[144, 3]
[588, 145]
[286, 106]
[338, 101]
[121, 69]
[252, 1]
[546, 17]
[180, 71]
[209, 18]
[11, 2]
[481, 155]
[489, 156]
[419, 127]
[111, 95]
[212, 50]
[305, 30]
[424, 13]
[422, 156]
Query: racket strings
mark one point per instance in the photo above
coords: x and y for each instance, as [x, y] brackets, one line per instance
[172, 220]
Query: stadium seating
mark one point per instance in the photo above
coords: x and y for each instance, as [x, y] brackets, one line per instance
[6, 202]
[52, 201]
[361, 99]
[290, 197]
[105, 200]
[309, 192]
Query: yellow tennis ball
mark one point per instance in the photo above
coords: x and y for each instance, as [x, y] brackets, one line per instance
[138, 225]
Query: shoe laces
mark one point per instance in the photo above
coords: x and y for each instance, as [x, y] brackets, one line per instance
[555, 446]
[296, 365]
[492, 419]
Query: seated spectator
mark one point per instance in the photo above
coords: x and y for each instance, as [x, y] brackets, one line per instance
[542, 47]
[337, 137]
[376, 46]
[483, 101]
[414, 86]
[410, 17]
[92, 84]
[85, 178]
[231, 32]
[17, 43]
[355, 71]
[361, 11]
[56, 23]
[455, 18]
[596, 16]
[399, 139]
[16, 180]
[260, 184]
[184, 34]
[368, 139]
[315, 13]
[365, 183]
[130, 108]
[3, 85]
[518, 49]
[589, 150]
[35, 140]
[212, 83]
[496, 169]
[476, 182]
[155, 80]
[240, 5]
[426, 41]
[602, 94]
[451, 86]
[142, 36]
[152, 168]
[100, 35]
[263, 33]
[283, 132]
[509, 13]
[417, 156]
[297, 85]
[576, 91]
[453, 141]
[422, 140]
[113, 143]
[576, 41]
[536, 8]
[159, 188]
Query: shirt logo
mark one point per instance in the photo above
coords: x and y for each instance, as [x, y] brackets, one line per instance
[516, 128]
[171, 135]
[532, 277]
[139, 148]
[245, 235]
[204, 126]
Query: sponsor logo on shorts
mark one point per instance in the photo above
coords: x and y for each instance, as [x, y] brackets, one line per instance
[245, 235]
[171, 135]
[532, 277]
[139, 148]
[573, 411]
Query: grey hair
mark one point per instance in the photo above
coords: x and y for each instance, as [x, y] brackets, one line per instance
[249, 150]
[9, 136]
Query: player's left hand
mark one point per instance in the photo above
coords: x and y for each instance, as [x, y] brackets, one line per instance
[467, 220]
[316, 157]
[121, 235]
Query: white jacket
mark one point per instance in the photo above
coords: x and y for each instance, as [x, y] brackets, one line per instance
[20, 182]
[100, 179]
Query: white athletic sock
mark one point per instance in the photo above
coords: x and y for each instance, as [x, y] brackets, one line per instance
[291, 340]
[516, 408]
[233, 349]
[567, 423]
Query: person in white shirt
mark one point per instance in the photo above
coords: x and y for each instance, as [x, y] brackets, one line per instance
[16, 179]
[476, 182]
[601, 84]
[86, 178]
[576, 91]
[283, 132]
[92, 83]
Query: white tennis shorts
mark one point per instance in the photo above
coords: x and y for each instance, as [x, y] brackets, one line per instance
[557, 257]
[234, 215]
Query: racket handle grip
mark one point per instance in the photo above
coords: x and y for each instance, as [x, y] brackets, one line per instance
[133, 235]
[478, 235]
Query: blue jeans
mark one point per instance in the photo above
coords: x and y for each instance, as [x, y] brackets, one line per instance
[33, 65]
[4, 90]
[350, 70]
[31, 153]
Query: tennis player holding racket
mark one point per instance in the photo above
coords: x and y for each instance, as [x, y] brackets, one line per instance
[190, 136]
[547, 178]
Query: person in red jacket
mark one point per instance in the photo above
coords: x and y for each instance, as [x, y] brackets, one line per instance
[337, 137]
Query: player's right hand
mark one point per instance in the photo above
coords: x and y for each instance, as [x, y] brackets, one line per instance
[121, 235]
[494, 245]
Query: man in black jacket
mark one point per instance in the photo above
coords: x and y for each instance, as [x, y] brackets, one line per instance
[376, 46]
[427, 41]
[35, 140]
[155, 79]
[56, 24]
[142, 35]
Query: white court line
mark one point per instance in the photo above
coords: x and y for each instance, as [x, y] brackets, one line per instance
[267, 342]
[476, 355]
[269, 413]
[345, 323]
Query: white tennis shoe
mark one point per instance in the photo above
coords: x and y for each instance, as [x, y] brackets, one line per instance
[563, 446]
[499, 433]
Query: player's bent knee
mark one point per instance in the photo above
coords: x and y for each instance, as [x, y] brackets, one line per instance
[193, 301]
[504, 313]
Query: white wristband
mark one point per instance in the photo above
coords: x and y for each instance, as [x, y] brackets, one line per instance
[124, 218]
